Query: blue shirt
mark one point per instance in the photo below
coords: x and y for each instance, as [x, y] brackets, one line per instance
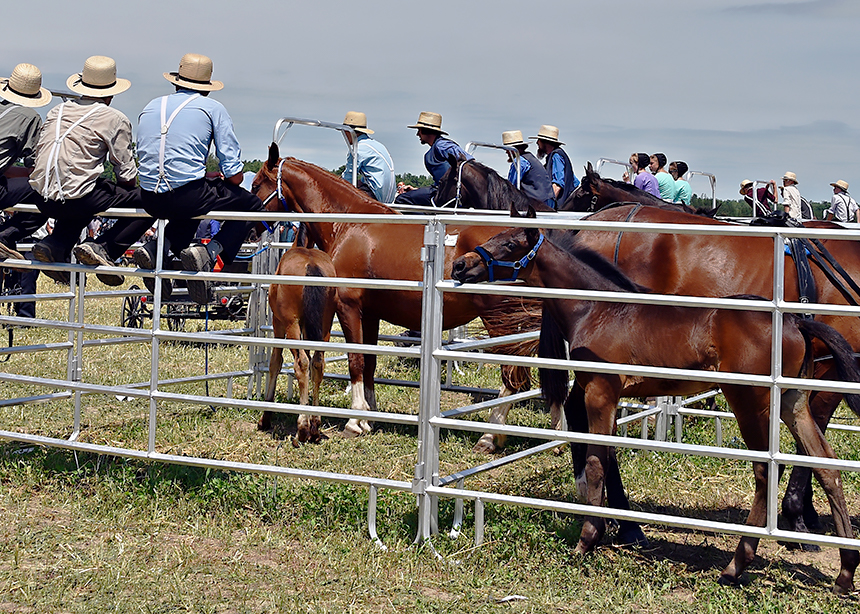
[436, 159]
[557, 174]
[525, 165]
[375, 168]
[201, 122]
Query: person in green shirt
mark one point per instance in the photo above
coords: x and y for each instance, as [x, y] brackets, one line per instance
[664, 180]
[683, 193]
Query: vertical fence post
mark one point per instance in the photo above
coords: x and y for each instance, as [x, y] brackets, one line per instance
[776, 371]
[427, 467]
[156, 324]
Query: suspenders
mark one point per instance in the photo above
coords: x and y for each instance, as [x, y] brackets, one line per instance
[54, 155]
[165, 126]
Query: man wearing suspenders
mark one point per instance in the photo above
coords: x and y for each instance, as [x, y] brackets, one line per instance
[173, 138]
[78, 137]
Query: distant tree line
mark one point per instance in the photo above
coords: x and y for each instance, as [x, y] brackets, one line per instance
[739, 207]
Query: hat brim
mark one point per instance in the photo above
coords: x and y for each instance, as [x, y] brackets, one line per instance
[843, 188]
[43, 98]
[545, 138]
[175, 79]
[360, 129]
[426, 127]
[76, 84]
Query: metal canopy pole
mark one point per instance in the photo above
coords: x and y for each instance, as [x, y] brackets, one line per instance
[278, 135]
[713, 179]
[471, 146]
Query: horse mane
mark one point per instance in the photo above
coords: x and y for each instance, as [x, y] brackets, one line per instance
[601, 267]
[501, 193]
[338, 187]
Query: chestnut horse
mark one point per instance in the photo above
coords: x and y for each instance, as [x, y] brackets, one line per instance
[301, 312]
[676, 337]
[387, 251]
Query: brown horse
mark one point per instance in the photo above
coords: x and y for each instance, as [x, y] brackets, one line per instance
[677, 337]
[702, 265]
[301, 312]
[387, 251]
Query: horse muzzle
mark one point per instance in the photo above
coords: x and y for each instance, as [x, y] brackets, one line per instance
[469, 269]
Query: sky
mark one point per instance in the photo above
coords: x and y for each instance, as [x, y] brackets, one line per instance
[740, 89]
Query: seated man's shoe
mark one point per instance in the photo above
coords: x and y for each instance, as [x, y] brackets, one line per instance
[9, 252]
[45, 252]
[144, 258]
[197, 258]
[94, 254]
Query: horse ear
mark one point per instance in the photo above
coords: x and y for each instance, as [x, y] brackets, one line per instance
[531, 212]
[588, 168]
[514, 212]
[274, 156]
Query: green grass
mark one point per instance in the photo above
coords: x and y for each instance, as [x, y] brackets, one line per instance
[86, 533]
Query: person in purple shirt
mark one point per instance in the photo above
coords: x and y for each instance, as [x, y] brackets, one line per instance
[643, 180]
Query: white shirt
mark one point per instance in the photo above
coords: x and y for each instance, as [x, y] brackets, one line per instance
[791, 199]
[843, 207]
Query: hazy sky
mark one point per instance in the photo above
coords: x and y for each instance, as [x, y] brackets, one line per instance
[736, 88]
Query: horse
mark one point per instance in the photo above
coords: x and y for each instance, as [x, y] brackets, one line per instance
[678, 337]
[594, 193]
[301, 312]
[383, 251]
[470, 184]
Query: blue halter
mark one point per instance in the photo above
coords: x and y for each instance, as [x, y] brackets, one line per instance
[516, 266]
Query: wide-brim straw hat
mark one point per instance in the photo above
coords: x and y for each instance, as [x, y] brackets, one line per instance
[195, 73]
[429, 121]
[790, 176]
[357, 121]
[841, 184]
[98, 78]
[547, 133]
[744, 185]
[24, 87]
[512, 138]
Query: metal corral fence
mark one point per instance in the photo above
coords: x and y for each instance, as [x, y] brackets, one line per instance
[427, 484]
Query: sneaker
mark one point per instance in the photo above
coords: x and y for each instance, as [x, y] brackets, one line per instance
[43, 253]
[9, 253]
[197, 258]
[144, 258]
[95, 254]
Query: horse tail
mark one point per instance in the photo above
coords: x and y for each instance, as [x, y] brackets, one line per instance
[843, 354]
[553, 382]
[313, 305]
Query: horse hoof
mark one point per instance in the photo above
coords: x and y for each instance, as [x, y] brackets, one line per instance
[350, 431]
[303, 434]
[264, 425]
[727, 580]
[485, 445]
[843, 587]
[365, 426]
[632, 536]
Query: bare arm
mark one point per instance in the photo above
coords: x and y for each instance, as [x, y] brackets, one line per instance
[235, 179]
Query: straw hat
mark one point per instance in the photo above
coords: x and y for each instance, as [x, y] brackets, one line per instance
[357, 121]
[429, 121]
[195, 73]
[98, 78]
[513, 138]
[789, 176]
[841, 184]
[744, 185]
[24, 87]
[547, 133]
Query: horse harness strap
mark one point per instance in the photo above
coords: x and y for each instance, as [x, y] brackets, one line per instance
[618, 240]
[830, 267]
[516, 265]
[54, 155]
[165, 126]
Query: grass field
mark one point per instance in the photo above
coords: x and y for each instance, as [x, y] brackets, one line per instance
[86, 533]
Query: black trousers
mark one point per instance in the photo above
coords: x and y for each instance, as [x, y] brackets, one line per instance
[418, 196]
[199, 197]
[73, 215]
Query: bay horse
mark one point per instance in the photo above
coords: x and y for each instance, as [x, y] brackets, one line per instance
[472, 185]
[709, 266]
[301, 312]
[383, 251]
[678, 337]
[594, 193]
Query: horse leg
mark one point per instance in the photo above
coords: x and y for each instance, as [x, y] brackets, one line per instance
[798, 419]
[276, 361]
[797, 506]
[600, 401]
[300, 367]
[349, 315]
[629, 532]
[488, 442]
[370, 327]
[317, 371]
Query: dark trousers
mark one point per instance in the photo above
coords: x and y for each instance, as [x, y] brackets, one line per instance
[73, 215]
[199, 197]
[14, 191]
[419, 196]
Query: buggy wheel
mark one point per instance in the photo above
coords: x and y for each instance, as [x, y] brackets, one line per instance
[133, 311]
[176, 315]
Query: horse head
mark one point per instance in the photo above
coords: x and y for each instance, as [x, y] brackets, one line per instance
[586, 197]
[463, 185]
[511, 250]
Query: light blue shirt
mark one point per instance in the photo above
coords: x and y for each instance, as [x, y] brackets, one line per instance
[666, 185]
[684, 193]
[375, 168]
[197, 125]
